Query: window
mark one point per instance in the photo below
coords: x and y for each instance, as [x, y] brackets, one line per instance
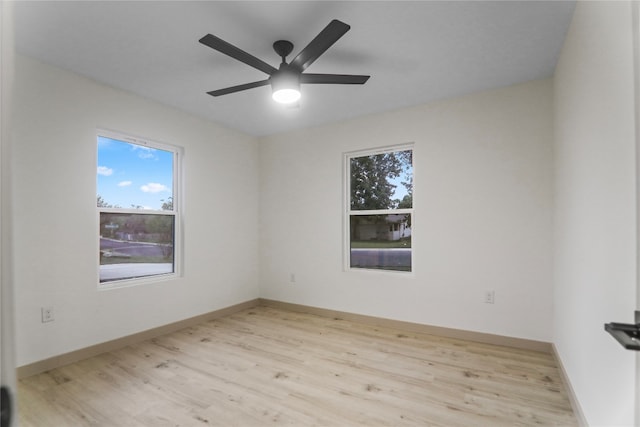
[379, 193]
[137, 208]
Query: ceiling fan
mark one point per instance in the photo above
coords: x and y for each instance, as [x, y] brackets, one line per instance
[285, 81]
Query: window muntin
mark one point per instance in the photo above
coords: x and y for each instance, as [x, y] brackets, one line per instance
[380, 209]
[138, 216]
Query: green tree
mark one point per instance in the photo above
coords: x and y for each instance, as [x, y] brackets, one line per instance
[101, 203]
[161, 227]
[372, 185]
[406, 158]
[406, 202]
[112, 219]
[370, 181]
[167, 205]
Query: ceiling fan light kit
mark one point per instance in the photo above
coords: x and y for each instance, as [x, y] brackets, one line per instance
[285, 85]
[286, 96]
[285, 81]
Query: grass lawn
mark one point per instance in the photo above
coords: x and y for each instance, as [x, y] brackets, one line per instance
[381, 244]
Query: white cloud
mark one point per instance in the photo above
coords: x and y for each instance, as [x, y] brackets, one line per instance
[124, 183]
[154, 187]
[144, 152]
[105, 171]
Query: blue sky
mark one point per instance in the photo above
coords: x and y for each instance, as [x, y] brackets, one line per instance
[400, 190]
[131, 174]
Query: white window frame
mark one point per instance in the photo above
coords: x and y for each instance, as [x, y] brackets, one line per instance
[348, 213]
[175, 212]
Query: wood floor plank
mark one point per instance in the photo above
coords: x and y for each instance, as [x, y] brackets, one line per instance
[269, 366]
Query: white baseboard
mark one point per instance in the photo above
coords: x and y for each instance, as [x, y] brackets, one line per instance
[575, 404]
[521, 343]
[77, 355]
[94, 350]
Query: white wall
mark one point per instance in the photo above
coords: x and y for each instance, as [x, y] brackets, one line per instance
[7, 305]
[483, 194]
[56, 116]
[484, 199]
[595, 218]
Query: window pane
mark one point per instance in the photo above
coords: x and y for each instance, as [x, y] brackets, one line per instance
[382, 181]
[135, 245]
[133, 176]
[381, 241]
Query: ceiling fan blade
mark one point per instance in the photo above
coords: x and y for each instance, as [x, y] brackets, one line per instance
[340, 79]
[228, 49]
[320, 44]
[238, 88]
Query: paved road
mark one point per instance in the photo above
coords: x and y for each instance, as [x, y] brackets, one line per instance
[130, 248]
[378, 258]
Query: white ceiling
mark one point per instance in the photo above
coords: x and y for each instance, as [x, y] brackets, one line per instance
[415, 51]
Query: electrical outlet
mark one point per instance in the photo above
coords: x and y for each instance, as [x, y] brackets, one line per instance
[47, 314]
[489, 297]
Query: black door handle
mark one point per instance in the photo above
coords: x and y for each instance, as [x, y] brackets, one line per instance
[627, 334]
[5, 407]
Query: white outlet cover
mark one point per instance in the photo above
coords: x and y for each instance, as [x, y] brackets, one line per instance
[47, 314]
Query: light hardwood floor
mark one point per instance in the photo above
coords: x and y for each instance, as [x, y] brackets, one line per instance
[268, 366]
